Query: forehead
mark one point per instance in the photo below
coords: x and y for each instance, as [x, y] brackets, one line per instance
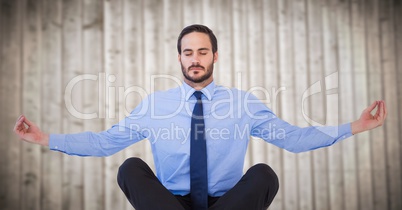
[195, 40]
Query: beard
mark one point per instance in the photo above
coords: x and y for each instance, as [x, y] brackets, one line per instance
[208, 73]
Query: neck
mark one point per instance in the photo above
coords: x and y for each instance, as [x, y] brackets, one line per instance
[199, 85]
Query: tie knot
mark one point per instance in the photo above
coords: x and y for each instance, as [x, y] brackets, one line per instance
[197, 95]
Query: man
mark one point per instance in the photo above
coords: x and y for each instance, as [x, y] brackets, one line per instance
[199, 134]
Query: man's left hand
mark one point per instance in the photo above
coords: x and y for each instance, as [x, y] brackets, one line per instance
[369, 121]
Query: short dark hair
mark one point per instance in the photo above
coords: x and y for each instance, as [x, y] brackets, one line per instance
[201, 29]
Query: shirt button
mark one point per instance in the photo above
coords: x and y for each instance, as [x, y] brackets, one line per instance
[56, 147]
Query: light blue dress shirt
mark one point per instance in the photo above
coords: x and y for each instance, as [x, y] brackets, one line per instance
[231, 116]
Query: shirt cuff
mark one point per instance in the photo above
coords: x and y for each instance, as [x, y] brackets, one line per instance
[345, 130]
[56, 142]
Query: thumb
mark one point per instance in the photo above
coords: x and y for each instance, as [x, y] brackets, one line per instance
[371, 107]
[28, 122]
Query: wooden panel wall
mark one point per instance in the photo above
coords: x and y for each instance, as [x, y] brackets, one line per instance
[343, 54]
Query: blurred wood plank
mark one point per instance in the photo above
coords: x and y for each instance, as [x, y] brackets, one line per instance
[220, 13]
[316, 104]
[51, 187]
[11, 103]
[172, 28]
[239, 37]
[388, 65]
[270, 67]
[256, 73]
[152, 10]
[192, 12]
[398, 59]
[374, 71]
[210, 14]
[171, 75]
[133, 61]
[72, 67]
[287, 110]
[346, 96]
[3, 155]
[331, 68]
[133, 71]
[359, 66]
[300, 53]
[113, 65]
[31, 101]
[93, 99]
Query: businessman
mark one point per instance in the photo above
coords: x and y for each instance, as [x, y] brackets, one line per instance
[199, 134]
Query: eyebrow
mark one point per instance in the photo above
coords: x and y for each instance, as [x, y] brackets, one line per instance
[190, 50]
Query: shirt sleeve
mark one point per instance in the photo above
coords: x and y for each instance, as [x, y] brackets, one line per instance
[266, 125]
[105, 143]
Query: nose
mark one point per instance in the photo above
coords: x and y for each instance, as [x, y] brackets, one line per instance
[195, 59]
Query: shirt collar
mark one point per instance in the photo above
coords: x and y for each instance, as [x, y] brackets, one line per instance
[207, 91]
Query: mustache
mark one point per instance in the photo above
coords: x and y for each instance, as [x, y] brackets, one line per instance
[196, 66]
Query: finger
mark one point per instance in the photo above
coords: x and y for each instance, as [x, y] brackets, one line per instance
[378, 114]
[379, 110]
[385, 110]
[20, 130]
[20, 119]
[18, 123]
[371, 107]
[28, 122]
[382, 113]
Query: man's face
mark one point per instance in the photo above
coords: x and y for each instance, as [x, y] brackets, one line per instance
[197, 59]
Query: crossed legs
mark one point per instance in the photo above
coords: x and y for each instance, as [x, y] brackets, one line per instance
[255, 190]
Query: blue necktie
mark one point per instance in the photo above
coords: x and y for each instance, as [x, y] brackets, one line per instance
[198, 158]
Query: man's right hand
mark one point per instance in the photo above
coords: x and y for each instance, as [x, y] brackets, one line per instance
[30, 132]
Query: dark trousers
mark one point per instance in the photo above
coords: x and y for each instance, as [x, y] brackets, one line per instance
[255, 190]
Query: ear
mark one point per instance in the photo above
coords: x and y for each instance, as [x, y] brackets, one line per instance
[216, 57]
[179, 58]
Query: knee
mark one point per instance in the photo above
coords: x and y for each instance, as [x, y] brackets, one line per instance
[132, 162]
[131, 167]
[265, 173]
